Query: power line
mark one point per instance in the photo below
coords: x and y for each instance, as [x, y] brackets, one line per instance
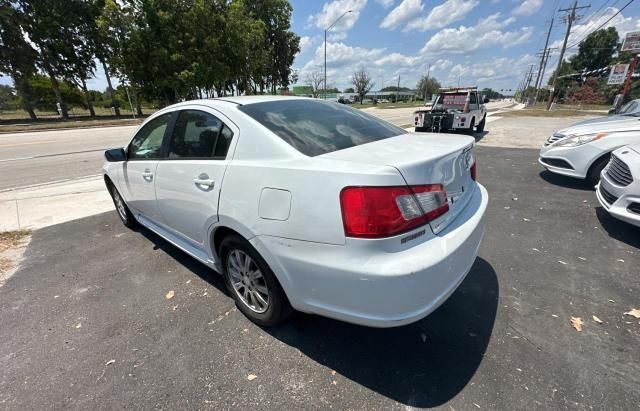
[570, 17]
[602, 25]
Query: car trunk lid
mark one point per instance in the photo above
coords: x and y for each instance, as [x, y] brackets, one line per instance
[423, 159]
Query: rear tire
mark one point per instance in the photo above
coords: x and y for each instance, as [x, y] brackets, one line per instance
[593, 175]
[252, 284]
[126, 216]
[480, 127]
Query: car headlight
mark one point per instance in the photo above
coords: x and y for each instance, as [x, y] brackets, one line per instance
[574, 141]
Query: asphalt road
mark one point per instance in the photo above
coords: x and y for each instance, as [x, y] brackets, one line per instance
[46, 156]
[86, 325]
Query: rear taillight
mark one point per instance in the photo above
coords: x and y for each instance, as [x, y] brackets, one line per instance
[473, 171]
[376, 212]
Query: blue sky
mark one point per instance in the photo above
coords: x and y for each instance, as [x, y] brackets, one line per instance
[488, 43]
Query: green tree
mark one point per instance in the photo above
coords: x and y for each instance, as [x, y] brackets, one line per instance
[427, 86]
[17, 57]
[52, 26]
[362, 82]
[596, 50]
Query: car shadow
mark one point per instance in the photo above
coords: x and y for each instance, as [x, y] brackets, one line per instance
[424, 364]
[190, 263]
[564, 181]
[479, 136]
[617, 229]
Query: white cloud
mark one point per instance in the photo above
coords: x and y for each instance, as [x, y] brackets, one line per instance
[527, 8]
[306, 43]
[332, 11]
[385, 3]
[443, 15]
[405, 11]
[496, 73]
[487, 33]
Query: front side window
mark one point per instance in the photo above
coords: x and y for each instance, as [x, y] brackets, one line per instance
[317, 127]
[196, 135]
[147, 144]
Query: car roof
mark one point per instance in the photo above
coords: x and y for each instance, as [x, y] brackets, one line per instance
[239, 100]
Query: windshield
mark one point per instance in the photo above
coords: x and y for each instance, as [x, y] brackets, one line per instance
[632, 108]
[316, 127]
[452, 100]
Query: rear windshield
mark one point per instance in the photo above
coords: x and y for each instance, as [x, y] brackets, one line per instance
[316, 127]
[452, 99]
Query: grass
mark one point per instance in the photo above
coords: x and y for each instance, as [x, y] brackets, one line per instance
[18, 120]
[77, 122]
[11, 239]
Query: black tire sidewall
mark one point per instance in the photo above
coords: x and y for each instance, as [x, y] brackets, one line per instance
[593, 176]
[130, 221]
[279, 307]
[480, 127]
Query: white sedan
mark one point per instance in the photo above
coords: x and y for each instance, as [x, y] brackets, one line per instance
[583, 150]
[619, 188]
[306, 204]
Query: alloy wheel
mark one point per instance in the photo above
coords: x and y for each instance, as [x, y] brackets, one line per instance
[247, 281]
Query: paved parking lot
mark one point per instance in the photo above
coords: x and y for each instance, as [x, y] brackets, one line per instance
[86, 323]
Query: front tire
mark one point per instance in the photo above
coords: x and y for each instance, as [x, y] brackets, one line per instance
[471, 127]
[126, 216]
[252, 284]
[593, 175]
[480, 127]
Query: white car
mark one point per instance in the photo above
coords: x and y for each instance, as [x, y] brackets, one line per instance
[306, 204]
[619, 188]
[583, 150]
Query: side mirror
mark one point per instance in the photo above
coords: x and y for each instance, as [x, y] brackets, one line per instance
[115, 154]
[485, 101]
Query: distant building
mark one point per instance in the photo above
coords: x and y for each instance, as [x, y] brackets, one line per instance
[353, 97]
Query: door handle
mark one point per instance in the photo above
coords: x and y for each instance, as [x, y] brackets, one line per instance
[147, 175]
[203, 180]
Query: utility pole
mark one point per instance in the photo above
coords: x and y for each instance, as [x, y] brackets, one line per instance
[571, 17]
[523, 84]
[544, 51]
[546, 55]
[427, 81]
[398, 90]
[527, 82]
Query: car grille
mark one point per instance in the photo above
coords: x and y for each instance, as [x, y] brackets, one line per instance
[634, 208]
[619, 172]
[555, 137]
[608, 197]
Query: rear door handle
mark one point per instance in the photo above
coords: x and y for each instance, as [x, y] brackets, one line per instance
[203, 180]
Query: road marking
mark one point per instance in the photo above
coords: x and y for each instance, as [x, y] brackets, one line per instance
[30, 143]
[15, 159]
[53, 155]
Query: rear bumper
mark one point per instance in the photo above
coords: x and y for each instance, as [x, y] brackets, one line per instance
[380, 288]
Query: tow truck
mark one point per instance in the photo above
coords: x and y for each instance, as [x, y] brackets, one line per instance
[457, 109]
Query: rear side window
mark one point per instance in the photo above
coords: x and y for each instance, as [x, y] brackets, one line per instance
[197, 134]
[317, 127]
